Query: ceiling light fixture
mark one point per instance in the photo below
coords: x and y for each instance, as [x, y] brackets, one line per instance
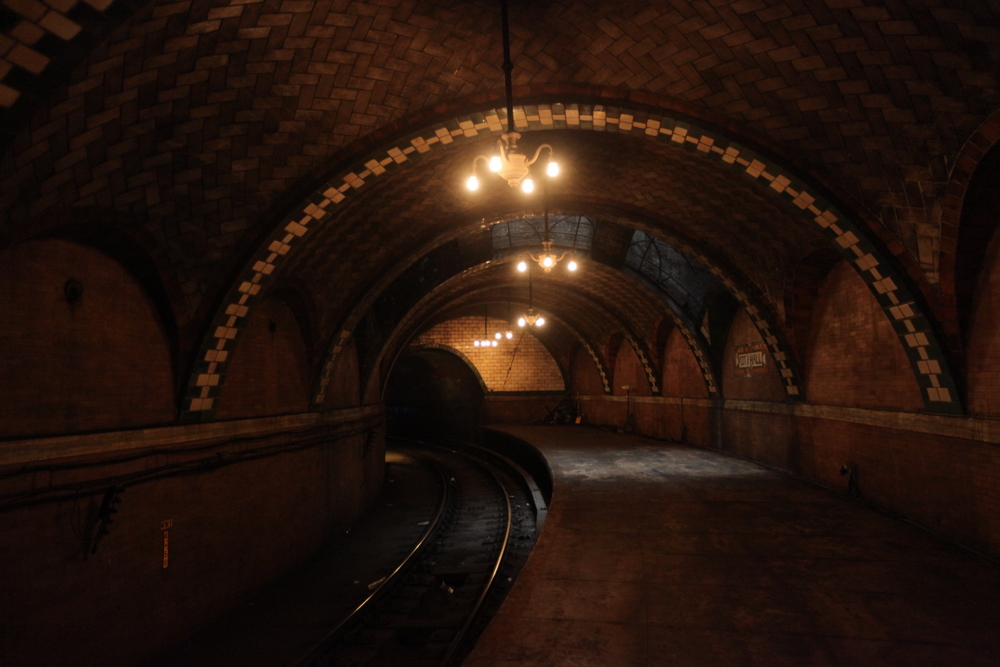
[547, 259]
[531, 318]
[486, 341]
[511, 164]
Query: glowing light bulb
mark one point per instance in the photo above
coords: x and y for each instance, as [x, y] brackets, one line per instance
[522, 266]
[472, 183]
[495, 163]
[495, 343]
[572, 265]
[509, 334]
[520, 322]
[498, 336]
[540, 321]
[547, 261]
[476, 343]
[552, 169]
[528, 186]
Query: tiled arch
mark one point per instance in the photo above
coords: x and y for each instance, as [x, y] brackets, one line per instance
[891, 288]
[408, 325]
[689, 331]
[976, 147]
[693, 339]
[639, 347]
[648, 367]
[458, 353]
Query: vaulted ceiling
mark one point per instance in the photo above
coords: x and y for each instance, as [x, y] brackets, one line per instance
[247, 145]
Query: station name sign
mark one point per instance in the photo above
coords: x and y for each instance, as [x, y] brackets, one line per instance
[751, 359]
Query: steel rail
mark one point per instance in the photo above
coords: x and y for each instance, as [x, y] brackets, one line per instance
[314, 653]
[457, 640]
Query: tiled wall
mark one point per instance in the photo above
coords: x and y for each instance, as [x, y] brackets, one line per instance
[681, 374]
[519, 364]
[100, 363]
[864, 408]
[270, 372]
[237, 523]
[855, 356]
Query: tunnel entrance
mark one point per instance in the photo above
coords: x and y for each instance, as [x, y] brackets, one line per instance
[432, 392]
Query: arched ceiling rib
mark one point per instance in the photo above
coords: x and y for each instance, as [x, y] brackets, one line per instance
[592, 304]
[201, 121]
[398, 212]
[236, 102]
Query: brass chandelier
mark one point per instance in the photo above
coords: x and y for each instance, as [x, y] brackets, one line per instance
[510, 163]
[547, 259]
[531, 318]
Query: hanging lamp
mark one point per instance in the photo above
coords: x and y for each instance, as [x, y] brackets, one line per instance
[531, 318]
[510, 162]
[485, 341]
[547, 259]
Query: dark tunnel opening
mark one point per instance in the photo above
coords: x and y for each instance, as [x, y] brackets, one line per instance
[434, 393]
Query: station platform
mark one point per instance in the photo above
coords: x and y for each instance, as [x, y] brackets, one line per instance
[656, 553]
[663, 554]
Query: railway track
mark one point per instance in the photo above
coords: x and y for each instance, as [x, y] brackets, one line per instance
[430, 610]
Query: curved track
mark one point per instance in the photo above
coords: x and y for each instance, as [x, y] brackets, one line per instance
[433, 606]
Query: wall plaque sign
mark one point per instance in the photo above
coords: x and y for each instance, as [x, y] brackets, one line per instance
[750, 359]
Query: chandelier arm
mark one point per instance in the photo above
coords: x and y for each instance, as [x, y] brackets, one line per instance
[538, 152]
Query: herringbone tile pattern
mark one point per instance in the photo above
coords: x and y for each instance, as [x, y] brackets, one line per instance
[197, 117]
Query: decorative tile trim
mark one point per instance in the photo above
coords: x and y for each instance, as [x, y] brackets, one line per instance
[331, 357]
[697, 347]
[22, 48]
[647, 366]
[605, 382]
[896, 299]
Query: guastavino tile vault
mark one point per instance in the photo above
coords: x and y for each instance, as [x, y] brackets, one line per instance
[238, 251]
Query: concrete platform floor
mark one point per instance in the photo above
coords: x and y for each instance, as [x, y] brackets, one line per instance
[662, 554]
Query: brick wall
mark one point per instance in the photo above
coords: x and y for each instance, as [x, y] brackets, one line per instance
[518, 409]
[585, 378]
[344, 389]
[235, 529]
[101, 363]
[941, 471]
[533, 368]
[765, 385]
[855, 357]
[946, 482]
[681, 374]
[629, 372]
[269, 372]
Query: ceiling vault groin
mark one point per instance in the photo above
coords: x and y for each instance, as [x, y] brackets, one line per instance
[914, 325]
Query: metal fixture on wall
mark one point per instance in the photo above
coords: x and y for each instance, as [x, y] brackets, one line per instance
[109, 507]
[510, 163]
[73, 291]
